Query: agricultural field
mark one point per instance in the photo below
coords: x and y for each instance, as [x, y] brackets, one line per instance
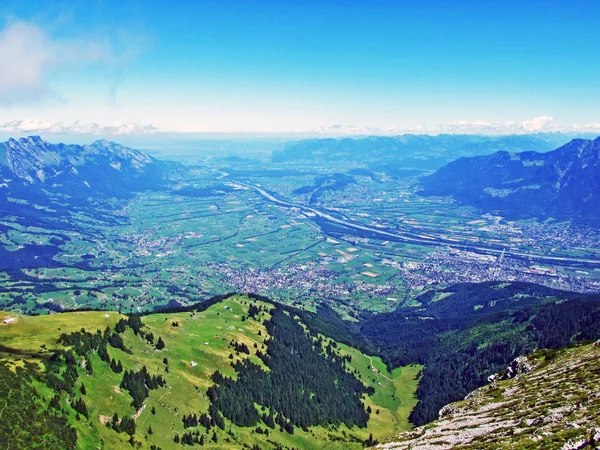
[207, 234]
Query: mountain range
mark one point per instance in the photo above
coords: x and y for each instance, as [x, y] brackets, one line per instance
[242, 371]
[563, 184]
[395, 154]
[30, 164]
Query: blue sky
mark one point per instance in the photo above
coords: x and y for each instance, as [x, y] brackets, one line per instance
[337, 67]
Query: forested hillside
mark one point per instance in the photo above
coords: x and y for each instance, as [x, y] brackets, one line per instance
[243, 371]
[464, 333]
[233, 371]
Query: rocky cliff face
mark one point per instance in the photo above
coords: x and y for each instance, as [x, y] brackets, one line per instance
[103, 167]
[550, 400]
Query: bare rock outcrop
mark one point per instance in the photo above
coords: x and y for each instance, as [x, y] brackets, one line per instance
[446, 411]
[557, 406]
[517, 367]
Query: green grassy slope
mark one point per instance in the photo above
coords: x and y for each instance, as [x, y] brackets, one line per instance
[196, 345]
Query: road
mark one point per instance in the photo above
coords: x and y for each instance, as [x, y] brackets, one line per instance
[378, 373]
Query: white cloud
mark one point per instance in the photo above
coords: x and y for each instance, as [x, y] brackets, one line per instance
[17, 128]
[542, 123]
[536, 125]
[592, 127]
[30, 56]
[30, 126]
[539, 124]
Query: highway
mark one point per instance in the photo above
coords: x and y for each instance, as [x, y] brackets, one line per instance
[430, 240]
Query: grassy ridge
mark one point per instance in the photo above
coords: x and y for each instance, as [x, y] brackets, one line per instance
[196, 344]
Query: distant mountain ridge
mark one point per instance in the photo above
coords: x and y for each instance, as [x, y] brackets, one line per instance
[563, 184]
[102, 167]
[409, 151]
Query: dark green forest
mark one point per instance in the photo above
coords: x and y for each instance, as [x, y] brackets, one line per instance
[464, 338]
[308, 384]
[461, 345]
[27, 422]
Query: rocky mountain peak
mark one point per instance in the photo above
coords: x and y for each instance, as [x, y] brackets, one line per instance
[35, 161]
[34, 140]
[580, 148]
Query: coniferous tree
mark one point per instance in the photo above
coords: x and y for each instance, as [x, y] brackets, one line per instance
[139, 383]
[204, 421]
[116, 341]
[55, 402]
[216, 416]
[297, 367]
[121, 326]
[103, 352]
[80, 407]
[135, 323]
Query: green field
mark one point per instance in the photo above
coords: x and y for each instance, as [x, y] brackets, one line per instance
[194, 349]
[394, 392]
